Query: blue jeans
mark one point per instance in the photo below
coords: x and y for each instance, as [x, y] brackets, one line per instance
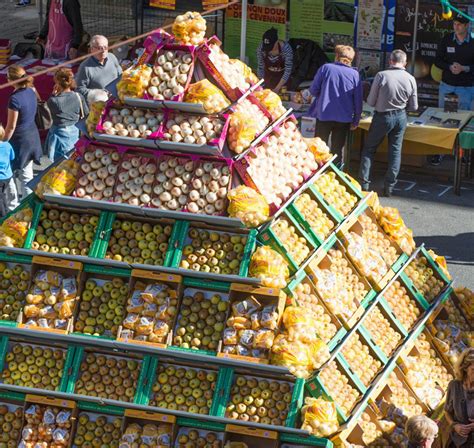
[391, 124]
[465, 95]
[60, 141]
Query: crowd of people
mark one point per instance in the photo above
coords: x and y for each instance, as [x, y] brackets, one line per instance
[68, 106]
[337, 92]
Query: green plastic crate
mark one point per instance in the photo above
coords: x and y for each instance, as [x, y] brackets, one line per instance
[92, 269]
[14, 396]
[342, 178]
[68, 366]
[410, 287]
[15, 258]
[100, 408]
[29, 201]
[316, 389]
[150, 377]
[106, 234]
[438, 273]
[387, 311]
[296, 404]
[435, 266]
[70, 351]
[3, 351]
[367, 339]
[192, 282]
[30, 236]
[341, 331]
[206, 285]
[181, 238]
[106, 270]
[200, 424]
[94, 247]
[11, 259]
[94, 251]
[305, 441]
[346, 368]
[297, 394]
[338, 216]
[269, 238]
[300, 219]
[76, 365]
[223, 392]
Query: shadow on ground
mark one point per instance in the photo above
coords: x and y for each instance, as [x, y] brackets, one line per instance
[457, 248]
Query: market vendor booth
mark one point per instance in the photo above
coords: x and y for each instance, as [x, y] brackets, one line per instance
[199, 273]
[431, 132]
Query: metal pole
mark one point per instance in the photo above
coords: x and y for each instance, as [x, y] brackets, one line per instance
[415, 35]
[41, 14]
[243, 31]
[385, 34]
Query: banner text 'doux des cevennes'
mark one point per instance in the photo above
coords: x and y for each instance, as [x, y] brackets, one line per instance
[258, 13]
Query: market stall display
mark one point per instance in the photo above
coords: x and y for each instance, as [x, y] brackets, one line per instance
[174, 304]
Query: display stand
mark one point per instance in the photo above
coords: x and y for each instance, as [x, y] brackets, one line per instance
[100, 270]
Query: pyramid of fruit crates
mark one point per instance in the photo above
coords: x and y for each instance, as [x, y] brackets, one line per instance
[129, 313]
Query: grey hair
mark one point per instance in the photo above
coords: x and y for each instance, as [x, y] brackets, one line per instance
[95, 95]
[398, 57]
[97, 37]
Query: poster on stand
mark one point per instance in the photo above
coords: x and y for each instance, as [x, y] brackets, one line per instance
[374, 26]
[327, 22]
[260, 18]
[369, 63]
[369, 24]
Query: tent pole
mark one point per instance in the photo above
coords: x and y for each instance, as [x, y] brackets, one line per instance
[415, 36]
[243, 31]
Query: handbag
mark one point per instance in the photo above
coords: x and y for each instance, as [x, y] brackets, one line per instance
[43, 118]
[83, 115]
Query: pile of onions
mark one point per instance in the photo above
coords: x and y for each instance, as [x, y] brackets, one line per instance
[232, 73]
[170, 75]
[99, 168]
[135, 181]
[209, 189]
[136, 123]
[172, 185]
[193, 129]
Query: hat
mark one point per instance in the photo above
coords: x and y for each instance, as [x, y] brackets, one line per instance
[461, 19]
[270, 38]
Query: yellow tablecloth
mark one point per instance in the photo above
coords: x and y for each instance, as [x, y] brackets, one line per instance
[427, 139]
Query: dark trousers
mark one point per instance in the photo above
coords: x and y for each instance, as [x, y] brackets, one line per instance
[391, 124]
[338, 132]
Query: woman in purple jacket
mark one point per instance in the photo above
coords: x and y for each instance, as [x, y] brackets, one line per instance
[337, 104]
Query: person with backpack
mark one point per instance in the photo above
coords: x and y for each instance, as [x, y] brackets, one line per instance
[67, 109]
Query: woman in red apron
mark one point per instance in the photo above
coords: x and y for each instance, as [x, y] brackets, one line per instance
[275, 60]
[62, 30]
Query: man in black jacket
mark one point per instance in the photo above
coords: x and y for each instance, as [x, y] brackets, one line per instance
[62, 30]
[455, 57]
